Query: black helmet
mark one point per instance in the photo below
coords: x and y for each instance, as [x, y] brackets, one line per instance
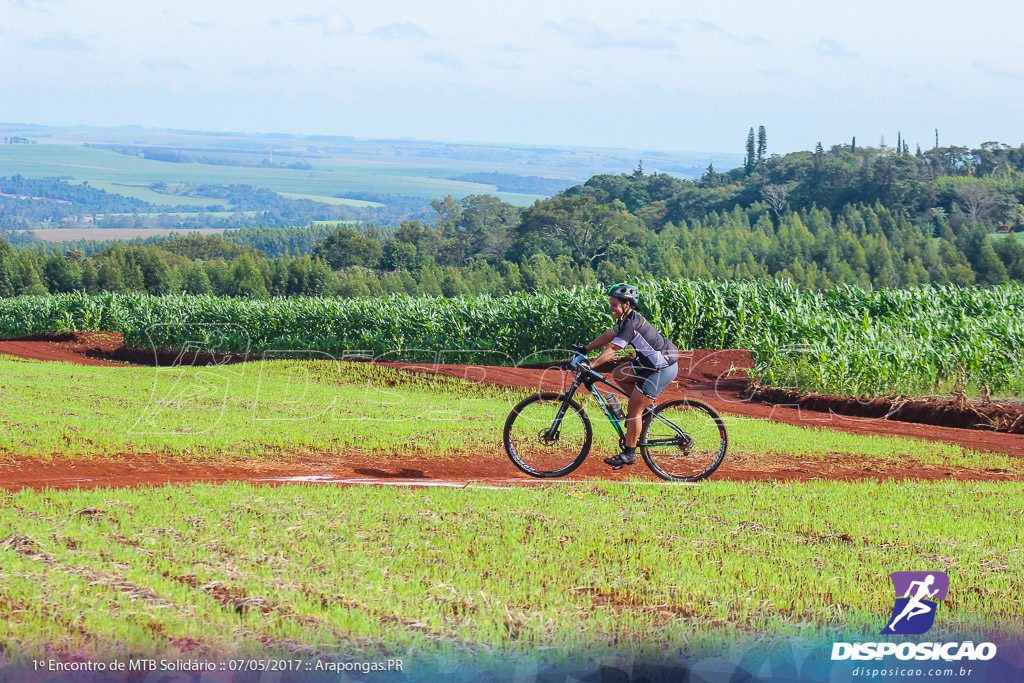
[626, 292]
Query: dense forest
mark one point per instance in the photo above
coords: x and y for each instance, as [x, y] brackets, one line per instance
[876, 217]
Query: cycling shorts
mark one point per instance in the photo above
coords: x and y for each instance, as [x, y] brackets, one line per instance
[652, 382]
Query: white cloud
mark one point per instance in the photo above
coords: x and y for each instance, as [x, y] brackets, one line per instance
[167, 65]
[38, 5]
[332, 21]
[61, 42]
[589, 35]
[1010, 69]
[589, 58]
[832, 48]
[443, 59]
[500, 66]
[709, 27]
[264, 72]
[509, 47]
[335, 22]
[785, 74]
[404, 30]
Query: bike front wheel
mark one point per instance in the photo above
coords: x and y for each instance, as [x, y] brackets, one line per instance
[683, 440]
[542, 447]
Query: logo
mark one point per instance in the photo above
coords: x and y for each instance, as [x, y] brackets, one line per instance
[917, 596]
[913, 613]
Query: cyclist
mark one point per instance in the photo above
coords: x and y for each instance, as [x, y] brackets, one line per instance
[653, 368]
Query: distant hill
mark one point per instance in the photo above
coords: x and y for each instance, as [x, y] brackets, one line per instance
[402, 175]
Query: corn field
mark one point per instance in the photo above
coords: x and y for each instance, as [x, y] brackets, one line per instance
[846, 341]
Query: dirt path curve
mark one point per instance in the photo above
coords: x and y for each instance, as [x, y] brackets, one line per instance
[68, 351]
[713, 376]
[350, 469]
[717, 378]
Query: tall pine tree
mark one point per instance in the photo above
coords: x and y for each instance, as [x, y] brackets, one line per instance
[751, 158]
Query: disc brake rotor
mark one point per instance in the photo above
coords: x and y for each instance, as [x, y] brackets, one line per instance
[545, 440]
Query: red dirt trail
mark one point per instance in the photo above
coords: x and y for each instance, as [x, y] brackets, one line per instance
[70, 347]
[705, 375]
[469, 470]
[713, 376]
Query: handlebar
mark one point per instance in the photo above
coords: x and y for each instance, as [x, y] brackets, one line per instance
[580, 362]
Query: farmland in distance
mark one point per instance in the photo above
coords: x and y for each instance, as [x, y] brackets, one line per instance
[129, 161]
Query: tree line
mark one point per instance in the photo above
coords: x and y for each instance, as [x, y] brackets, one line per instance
[866, 216]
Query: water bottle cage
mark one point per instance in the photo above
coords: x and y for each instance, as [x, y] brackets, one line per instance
[613, 405]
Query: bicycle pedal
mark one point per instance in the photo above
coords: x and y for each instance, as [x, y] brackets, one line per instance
[617, 467]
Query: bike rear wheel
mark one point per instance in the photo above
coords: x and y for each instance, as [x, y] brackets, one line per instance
[537, 449]
[683, 440]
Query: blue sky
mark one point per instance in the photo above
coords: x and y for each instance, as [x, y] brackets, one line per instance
[641, 75]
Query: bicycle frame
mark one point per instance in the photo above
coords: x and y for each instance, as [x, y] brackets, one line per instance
[589, 378]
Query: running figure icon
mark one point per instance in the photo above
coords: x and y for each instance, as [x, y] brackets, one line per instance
[914, 606]
[919, 598]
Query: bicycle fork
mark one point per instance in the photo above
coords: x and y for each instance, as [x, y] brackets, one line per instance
[552, 432]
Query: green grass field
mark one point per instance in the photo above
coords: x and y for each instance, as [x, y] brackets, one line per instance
[299, 570]
[140, 190]
[272, 407]
[73, 234]
[251, 571]
[211, 214]
[329, 177]
[1019, 236]
[336, 201]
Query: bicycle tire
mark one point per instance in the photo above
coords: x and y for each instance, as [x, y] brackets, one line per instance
[684, 459]
[526, 442]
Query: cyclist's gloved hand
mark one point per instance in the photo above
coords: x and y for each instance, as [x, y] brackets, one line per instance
[580, 349]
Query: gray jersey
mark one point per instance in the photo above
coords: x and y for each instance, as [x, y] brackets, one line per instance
[652, 349]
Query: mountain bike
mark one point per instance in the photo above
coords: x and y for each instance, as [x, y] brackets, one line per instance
[549, 434]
